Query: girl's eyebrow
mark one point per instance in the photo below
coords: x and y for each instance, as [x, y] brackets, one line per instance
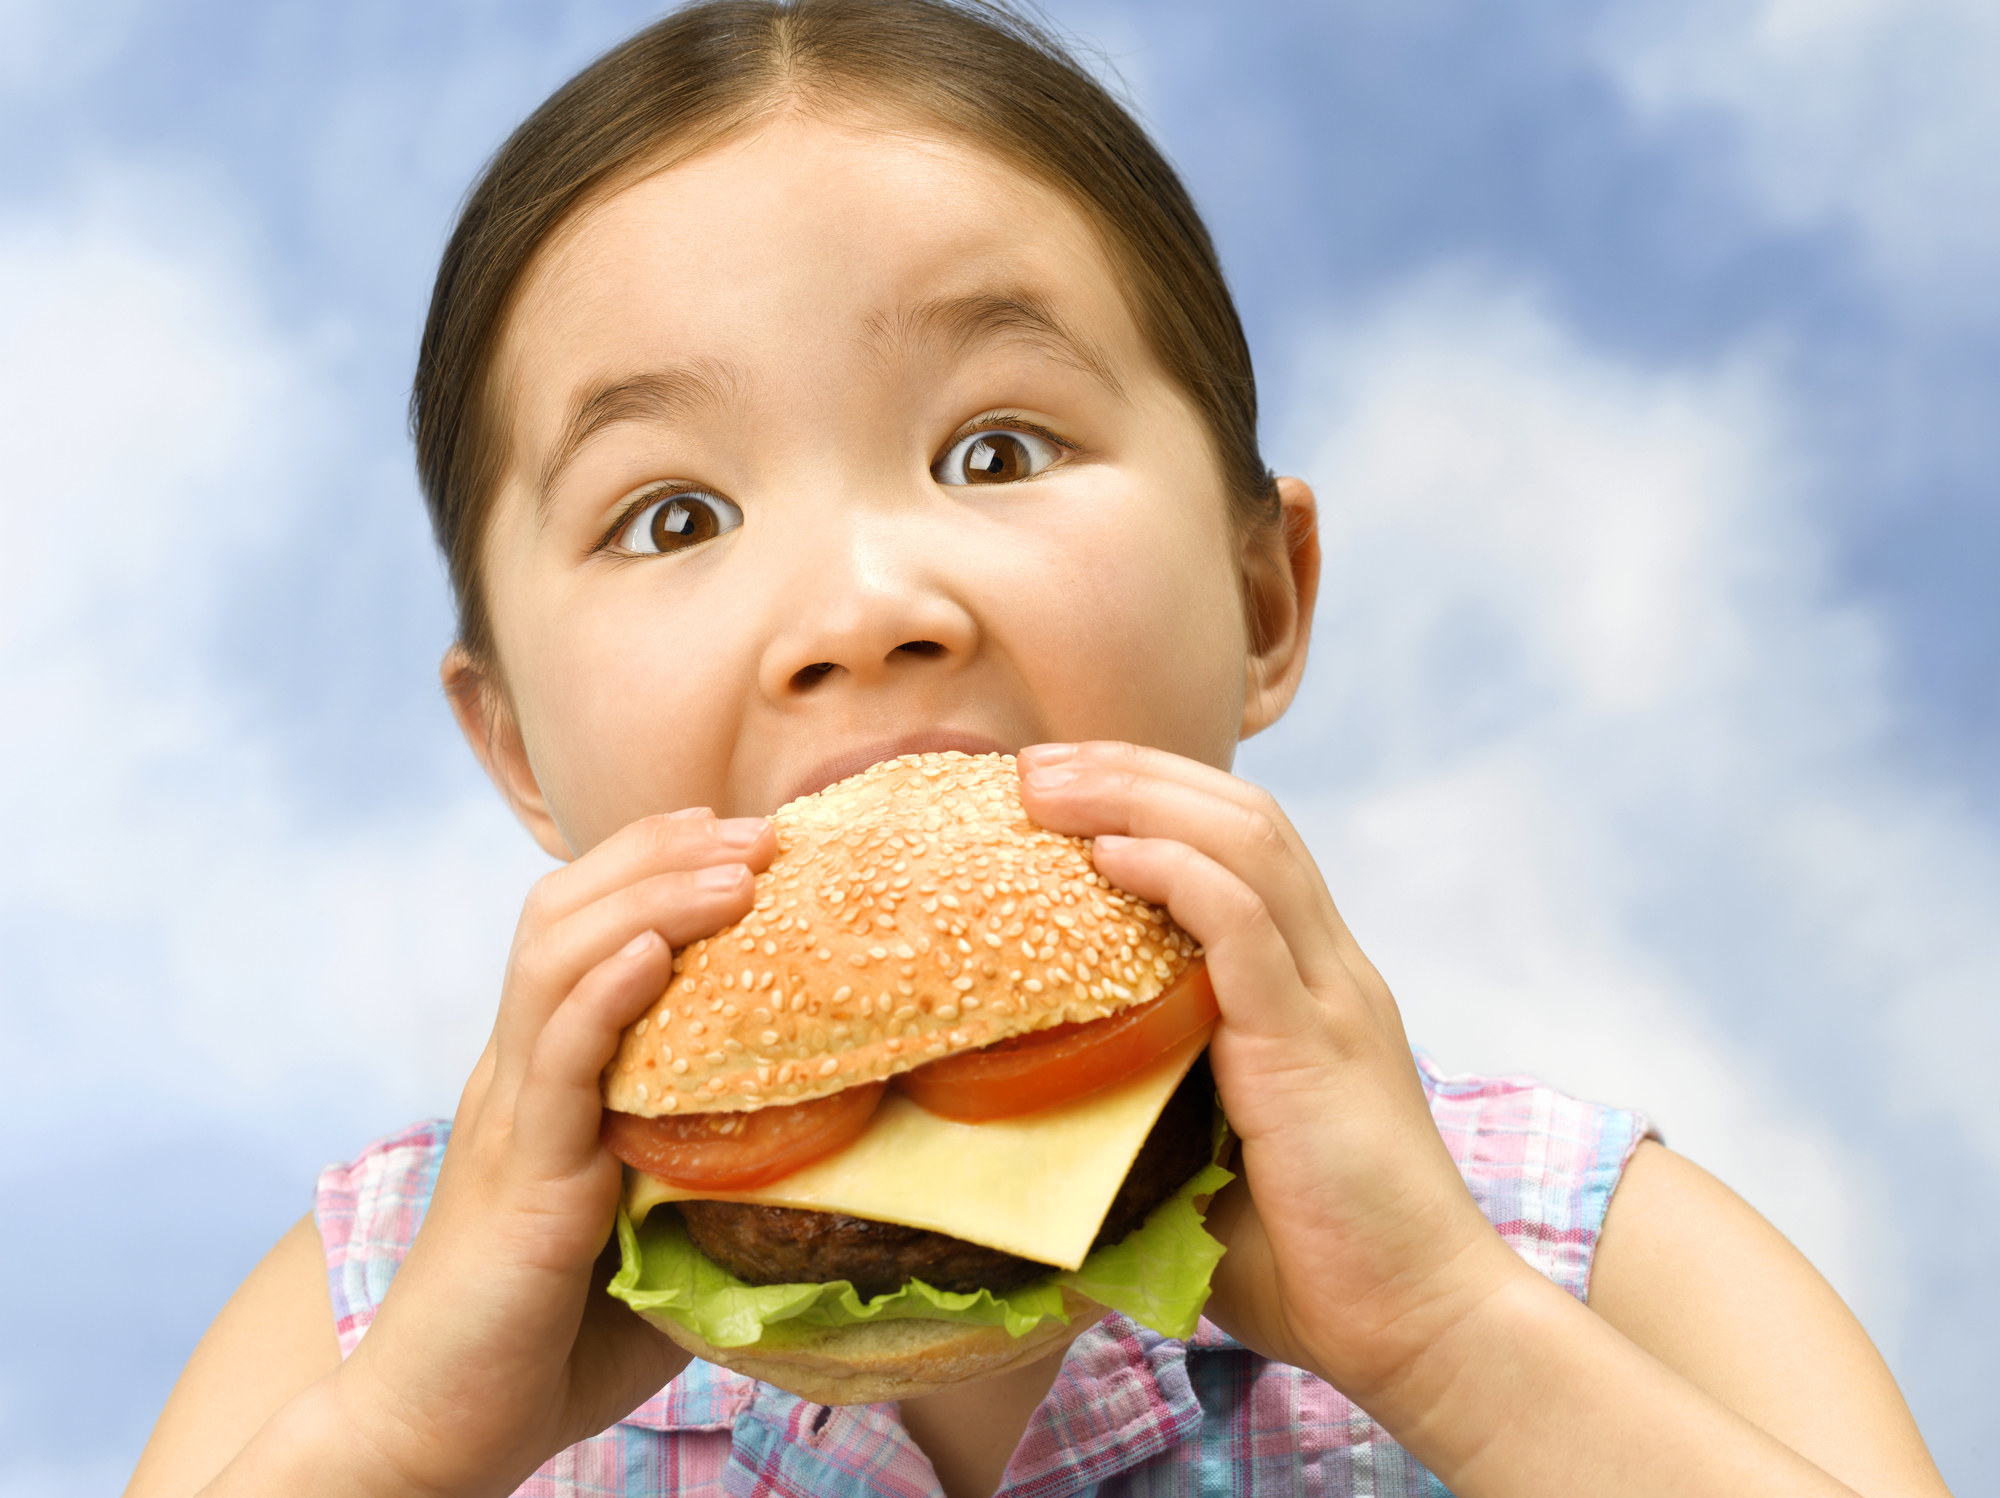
[656, 395]
[961, 322]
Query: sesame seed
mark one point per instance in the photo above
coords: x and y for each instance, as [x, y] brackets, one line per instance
[680, 1067]
[769, 1037]
[828, 1067]
[640, 1028]
[642, 1092]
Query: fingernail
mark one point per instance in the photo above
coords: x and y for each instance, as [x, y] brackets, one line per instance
[1049, 780]
[739, 832]
[639, 944]
[1109, 840]
[688, 811]
[720, 876]
[1047, 754]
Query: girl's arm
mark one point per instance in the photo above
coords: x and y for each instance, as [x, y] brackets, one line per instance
[1692, 1274]
[1713, 1359]
[495, 1348]
[272, 1341]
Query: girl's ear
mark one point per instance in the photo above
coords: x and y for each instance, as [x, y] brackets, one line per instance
[1280, 586]
[487, 720]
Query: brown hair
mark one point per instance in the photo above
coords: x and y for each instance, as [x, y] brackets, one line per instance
[978, 70]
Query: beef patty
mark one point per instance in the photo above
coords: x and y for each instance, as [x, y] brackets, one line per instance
[791, 1245]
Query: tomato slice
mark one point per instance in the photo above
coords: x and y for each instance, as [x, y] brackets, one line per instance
[1028, 1073]
[740, 1151]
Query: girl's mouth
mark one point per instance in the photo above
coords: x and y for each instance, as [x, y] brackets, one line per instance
[853, 761]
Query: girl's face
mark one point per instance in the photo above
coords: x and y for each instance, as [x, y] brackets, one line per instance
[837, 442]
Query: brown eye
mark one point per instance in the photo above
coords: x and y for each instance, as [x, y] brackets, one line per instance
[995, 457]
[674, 522]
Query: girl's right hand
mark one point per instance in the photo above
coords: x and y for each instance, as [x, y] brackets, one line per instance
[495, 1347]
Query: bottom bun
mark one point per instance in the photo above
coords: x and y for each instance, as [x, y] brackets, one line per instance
[876, 1361]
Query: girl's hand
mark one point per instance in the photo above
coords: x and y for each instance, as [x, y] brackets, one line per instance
[1363, 1243]
[494, 1348]
[1356, 1251]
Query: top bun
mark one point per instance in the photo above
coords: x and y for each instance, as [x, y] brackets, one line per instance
[912, 911]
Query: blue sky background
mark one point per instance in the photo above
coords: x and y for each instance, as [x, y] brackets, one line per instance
[1644, 355]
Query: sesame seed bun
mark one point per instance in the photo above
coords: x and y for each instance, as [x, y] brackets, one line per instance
[883, 1360]
[911, 912]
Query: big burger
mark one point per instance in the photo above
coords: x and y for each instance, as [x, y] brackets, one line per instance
[936, 1102]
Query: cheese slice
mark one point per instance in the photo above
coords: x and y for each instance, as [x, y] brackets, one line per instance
[1037, 1186]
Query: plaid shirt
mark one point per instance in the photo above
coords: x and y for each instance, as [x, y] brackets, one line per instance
[1130, 1412]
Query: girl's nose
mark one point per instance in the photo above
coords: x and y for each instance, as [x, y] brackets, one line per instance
[862, 626]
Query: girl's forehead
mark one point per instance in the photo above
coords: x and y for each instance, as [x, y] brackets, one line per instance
[811, 241]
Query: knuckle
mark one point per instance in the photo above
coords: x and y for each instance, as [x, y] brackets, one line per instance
[534, 960]
[1246, 909]
[662, 835]
[1264, 834]
[544, 899]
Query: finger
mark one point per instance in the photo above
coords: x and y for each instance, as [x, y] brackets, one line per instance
[1257, 981]
[1093, 794]
[1114, 754]
[557, 1111]
[691, 839]
[546, 965]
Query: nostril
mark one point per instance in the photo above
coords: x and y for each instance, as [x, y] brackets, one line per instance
[808, 677]
[923, 648]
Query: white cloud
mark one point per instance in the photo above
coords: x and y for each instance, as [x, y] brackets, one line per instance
[175, 920]
[1879, 116]
[1580, 680]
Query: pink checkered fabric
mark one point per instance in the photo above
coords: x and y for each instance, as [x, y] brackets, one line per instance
[1131, 1413]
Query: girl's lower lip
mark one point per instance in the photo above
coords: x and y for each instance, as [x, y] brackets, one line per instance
[854, 761]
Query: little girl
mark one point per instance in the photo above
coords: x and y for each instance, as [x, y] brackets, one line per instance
[811, 383]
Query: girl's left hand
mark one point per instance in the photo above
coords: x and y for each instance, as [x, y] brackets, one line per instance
[1356, 1244]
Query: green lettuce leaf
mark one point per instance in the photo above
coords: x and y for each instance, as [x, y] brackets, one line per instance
[1158, 1275]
